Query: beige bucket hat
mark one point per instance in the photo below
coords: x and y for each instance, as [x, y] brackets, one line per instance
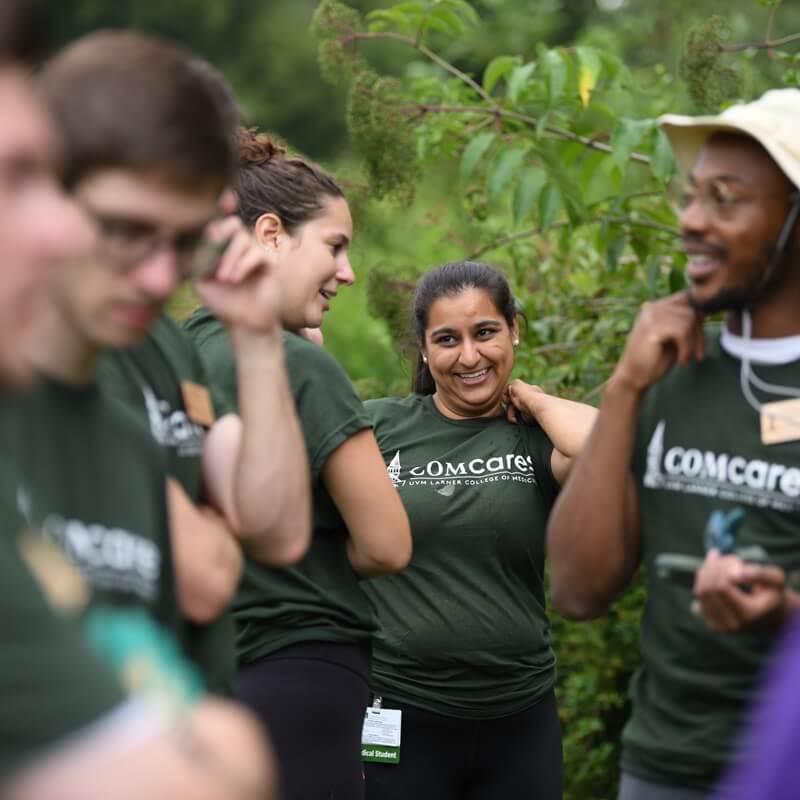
[773, 120]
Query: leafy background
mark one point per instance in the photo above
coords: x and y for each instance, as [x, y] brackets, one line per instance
[520, 133]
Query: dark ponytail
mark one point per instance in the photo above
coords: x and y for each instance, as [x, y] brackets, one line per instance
[422, 381]
[450, 280]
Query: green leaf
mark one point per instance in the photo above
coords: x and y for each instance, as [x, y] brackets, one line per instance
[614, 252]
[626, 138]
[616, 177]
[592, 161]
[381, 19]
[519, 77]
[652, 272]
[496, 69]
[587, 283]
[463, 8]
[591, 59]
[409, 8]
[590, 66]
[527, 190]
[553, 157]
[507, 163]
[641, 248]
[556, 74]
[452, 27]
[677, 279]
[662, 162]
[574, 208]
[611, 64]
[474, 152]
[448, 21]
[549, 205]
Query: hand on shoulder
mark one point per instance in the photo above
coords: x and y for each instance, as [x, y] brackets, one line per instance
[523, 400]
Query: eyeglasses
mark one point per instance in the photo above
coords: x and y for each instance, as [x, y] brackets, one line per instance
[717, 197]
[126, 242]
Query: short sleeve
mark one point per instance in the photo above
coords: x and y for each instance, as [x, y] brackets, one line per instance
[51, 683]
[375, 410]
[329, 409]
[214, 351]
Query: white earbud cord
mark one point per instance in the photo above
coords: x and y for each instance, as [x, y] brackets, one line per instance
[749, 379]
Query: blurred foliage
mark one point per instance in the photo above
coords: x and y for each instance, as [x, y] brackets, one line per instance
[263, 49]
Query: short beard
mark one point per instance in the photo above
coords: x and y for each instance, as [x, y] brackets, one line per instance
[738, 298]
[726, 300]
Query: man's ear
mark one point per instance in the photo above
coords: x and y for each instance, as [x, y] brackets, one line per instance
[268, 229]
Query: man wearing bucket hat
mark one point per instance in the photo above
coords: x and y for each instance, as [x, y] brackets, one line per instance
[693, 467]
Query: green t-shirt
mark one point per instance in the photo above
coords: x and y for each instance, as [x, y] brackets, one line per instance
[148, 380]
[51, 683]
[698, 449]
[77, 469]
[82, 470]
[463, 629]
[319, 599]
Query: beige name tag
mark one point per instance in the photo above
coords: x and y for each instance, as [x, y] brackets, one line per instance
[780, 421]
[197, 400]
[59, 579]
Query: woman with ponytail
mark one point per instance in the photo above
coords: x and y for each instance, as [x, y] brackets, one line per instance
[303, 632]
[463, 648]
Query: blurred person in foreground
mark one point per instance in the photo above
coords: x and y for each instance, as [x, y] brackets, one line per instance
[767, 764]
[693, 466]
[62, 703]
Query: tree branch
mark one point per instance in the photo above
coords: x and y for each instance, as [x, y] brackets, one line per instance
[615, 220]
[494, 110]
[770, 22]
[640, 223]
[766, 45]
[427, 52]
[514, 237]
[500, 113]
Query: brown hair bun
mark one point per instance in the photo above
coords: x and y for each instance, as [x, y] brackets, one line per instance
[256, 149]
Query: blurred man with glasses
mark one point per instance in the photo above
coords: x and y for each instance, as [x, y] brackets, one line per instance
[67, 727]
[693, 467]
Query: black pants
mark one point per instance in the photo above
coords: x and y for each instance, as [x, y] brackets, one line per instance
[442, 758]
[311, 698]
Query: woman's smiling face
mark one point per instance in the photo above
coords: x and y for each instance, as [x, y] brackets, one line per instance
[313, 263]
[470, 351]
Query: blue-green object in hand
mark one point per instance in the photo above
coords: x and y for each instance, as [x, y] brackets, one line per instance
[721, 530]
[146, 657]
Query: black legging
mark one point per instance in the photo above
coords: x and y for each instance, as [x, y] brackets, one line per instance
[443, 758]
[311, 697]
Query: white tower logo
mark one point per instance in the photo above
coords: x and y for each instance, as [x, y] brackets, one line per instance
[394, 469]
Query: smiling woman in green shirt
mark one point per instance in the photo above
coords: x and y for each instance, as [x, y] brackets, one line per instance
[463, 647]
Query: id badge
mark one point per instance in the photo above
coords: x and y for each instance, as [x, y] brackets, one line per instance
[780, 421]
[380, 736]
[197, 400]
